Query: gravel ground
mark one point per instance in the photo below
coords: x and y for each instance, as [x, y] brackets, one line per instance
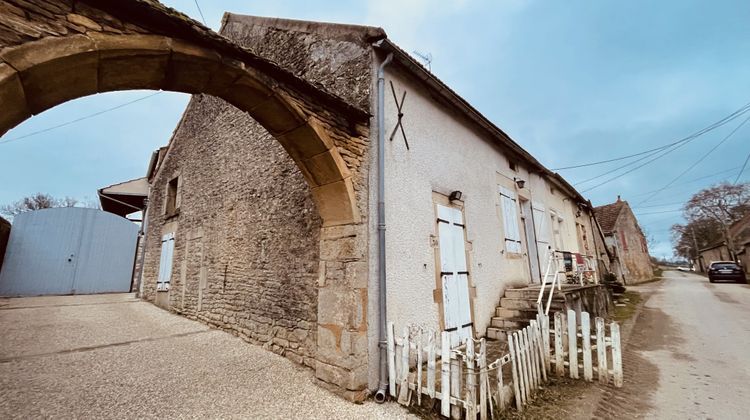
[113, 356]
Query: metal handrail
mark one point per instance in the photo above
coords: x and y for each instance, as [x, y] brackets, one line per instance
[553, 260]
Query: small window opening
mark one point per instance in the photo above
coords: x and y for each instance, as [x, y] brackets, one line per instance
[173, 206]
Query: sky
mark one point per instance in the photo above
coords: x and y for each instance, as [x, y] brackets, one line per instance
[572, 82]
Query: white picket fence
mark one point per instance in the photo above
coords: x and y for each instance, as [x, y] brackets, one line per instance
[467, 383]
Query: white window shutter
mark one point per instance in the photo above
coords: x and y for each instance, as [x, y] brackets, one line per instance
[510, 220]
[165, 261]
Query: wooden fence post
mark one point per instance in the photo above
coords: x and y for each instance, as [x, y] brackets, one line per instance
[572, 344]
[403, 392]
[500, 397]
[431, 364]
[601, 352]
[559, 349]
[471, 385]
[391, 361]
[542, 359]
[525, 360]
[588, 374]
[516, 372]
[419, 338]
[445, 374]
[616, 354]
[482, 379]
[532, 348]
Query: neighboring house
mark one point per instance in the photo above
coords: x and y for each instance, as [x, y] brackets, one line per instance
[4, 236]
[234, 237]
[739, 232]
[123, 199]
[715, 252]
[626, 241]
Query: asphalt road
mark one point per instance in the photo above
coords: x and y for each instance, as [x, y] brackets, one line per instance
[113, 356]
[688, 355]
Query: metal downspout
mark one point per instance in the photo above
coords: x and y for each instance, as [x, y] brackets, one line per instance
[380, 395]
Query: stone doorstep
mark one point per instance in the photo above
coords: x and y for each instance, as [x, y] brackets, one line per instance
[515, 313]
[526, 304]
[509, 323]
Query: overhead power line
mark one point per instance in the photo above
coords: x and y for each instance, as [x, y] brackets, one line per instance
[697, 162]
[201, 13]
[659, 212]
[85, 117]
[658, 205]
[691, 181]
[743, 168]
[717, 124]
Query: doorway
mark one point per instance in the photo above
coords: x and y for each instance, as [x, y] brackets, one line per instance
[454, 274]
[532, 251]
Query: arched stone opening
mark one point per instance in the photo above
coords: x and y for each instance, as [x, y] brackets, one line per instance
[38, 75]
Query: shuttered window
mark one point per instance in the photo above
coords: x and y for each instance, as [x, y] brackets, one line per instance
[509, 205]
[165, 261]
[541, 228]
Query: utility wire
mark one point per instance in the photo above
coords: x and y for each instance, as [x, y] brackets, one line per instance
[691, 181]
[658, 205]
[201, 12]
[713, 126]
[743, 169]
[696, 162]
[85, 117]
[660, 155]
[614, 170]
[659, 212]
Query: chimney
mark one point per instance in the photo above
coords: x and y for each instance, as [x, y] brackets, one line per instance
[618, 198]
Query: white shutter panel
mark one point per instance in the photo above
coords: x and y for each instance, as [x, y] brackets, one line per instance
[542, 230]
[510, 220]
[165, 261]
[447, 267]
[454, 274]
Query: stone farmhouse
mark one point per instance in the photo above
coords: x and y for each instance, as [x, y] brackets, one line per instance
[626, 242]
[448, 211]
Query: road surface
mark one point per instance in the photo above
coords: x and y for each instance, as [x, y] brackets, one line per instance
[113, 356]
[689, 353]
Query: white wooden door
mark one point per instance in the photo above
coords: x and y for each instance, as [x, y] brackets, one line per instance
[542, 230]
[454, 275]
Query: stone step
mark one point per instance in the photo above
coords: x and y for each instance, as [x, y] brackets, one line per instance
[520, 304]
[499, 334]
[515, 313]
[509, 323]
[531, 294]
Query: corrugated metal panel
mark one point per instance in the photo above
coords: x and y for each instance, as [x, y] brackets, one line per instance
[68, 251]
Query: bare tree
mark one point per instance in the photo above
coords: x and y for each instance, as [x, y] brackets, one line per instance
[710, 212]
[36, 201]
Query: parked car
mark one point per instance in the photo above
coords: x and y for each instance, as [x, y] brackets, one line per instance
[726, 270]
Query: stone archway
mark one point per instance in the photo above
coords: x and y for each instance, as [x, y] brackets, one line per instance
[62, 50]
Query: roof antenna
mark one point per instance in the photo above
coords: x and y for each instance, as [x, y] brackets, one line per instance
[426, 59]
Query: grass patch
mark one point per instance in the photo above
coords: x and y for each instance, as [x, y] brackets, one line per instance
[631, 300]
[658, 272]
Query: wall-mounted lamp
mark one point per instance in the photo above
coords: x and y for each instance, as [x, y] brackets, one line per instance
[520, 182]
[455, 196]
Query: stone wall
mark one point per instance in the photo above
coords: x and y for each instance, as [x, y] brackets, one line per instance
[634, 258]
[247, 232]
[250, 253]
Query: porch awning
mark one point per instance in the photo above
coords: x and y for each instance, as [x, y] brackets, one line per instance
[124, 198]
